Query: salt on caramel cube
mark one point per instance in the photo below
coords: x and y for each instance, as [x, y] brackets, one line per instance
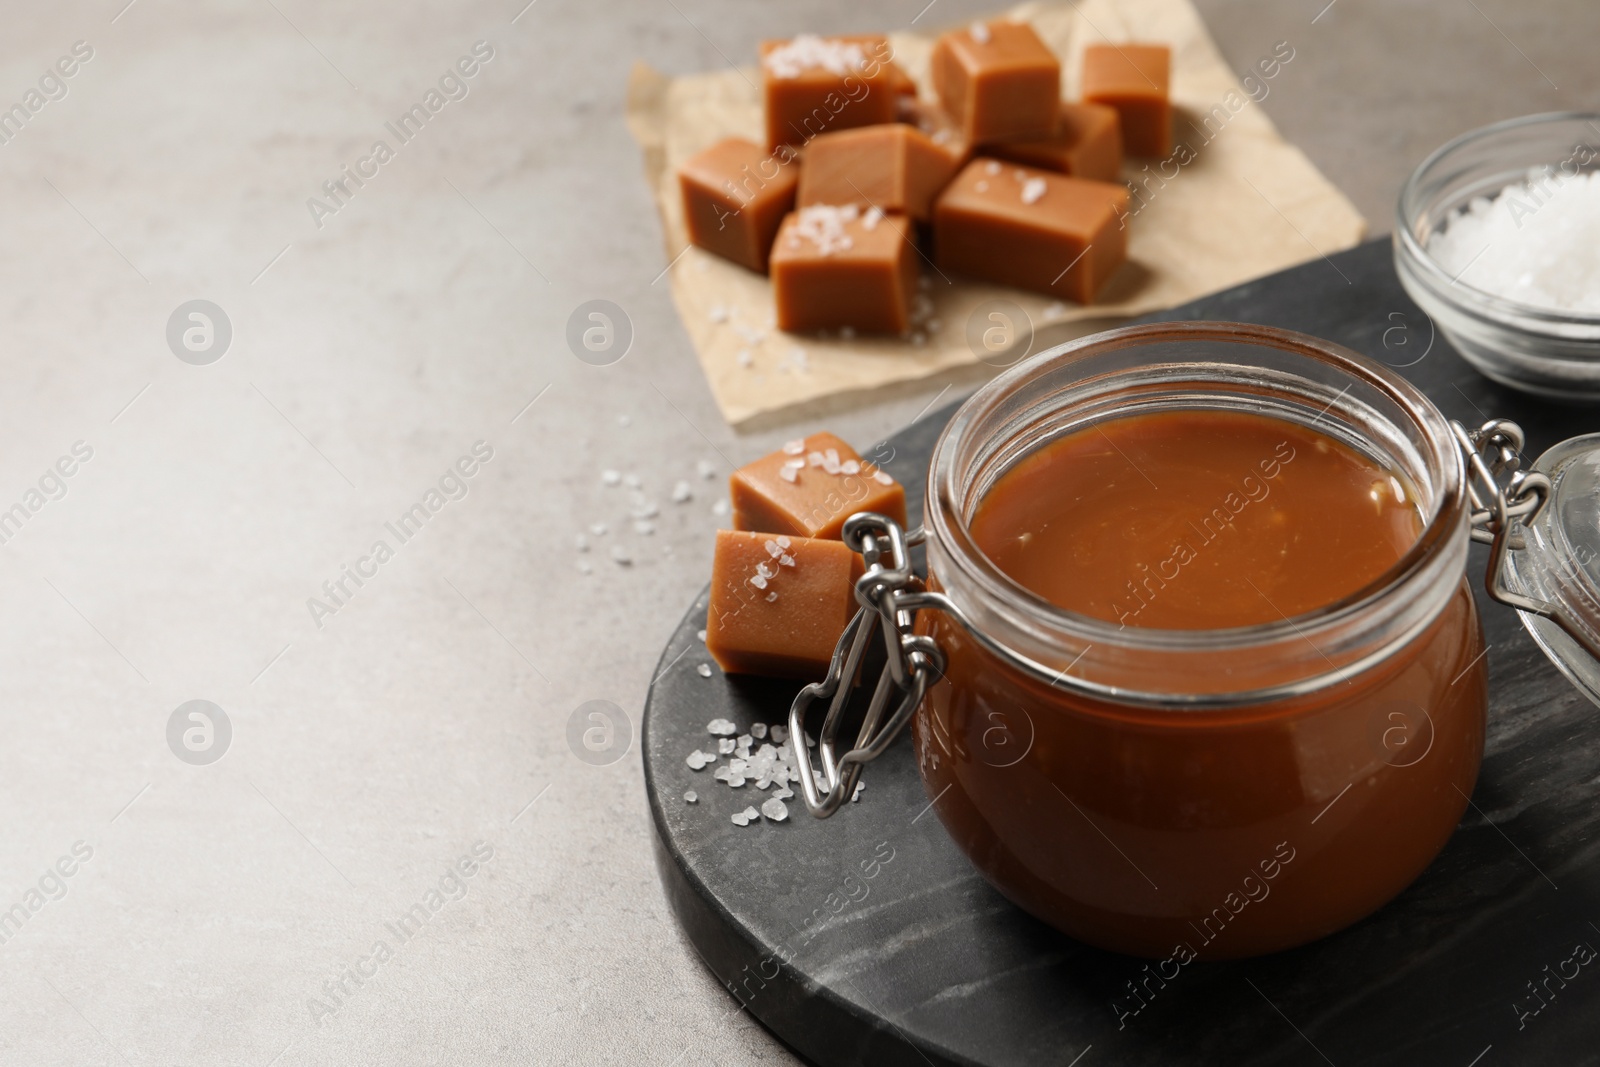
[811, 84]
[1134, 79]
[735, 196]
[840, 267]
[997, 79]
[1031, 228]
[809, 487]
[779, 603]
[895, 168]
[1086, 143]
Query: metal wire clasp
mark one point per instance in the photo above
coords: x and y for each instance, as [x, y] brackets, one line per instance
[889, 594]
[1504, 495]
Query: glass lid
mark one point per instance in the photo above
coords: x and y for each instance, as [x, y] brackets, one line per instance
[1559, 562]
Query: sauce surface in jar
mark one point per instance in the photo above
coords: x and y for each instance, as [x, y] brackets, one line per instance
[1196, 519]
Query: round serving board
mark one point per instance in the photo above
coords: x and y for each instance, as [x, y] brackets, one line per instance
[867, 938]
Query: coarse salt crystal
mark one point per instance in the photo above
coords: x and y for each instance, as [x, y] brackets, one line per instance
[581, 543]
[849, 466]
[621, 556]
[809, 51]
[783, 542]
[609, 477]
[697, 760]
[704, 670]
[681, 493]
[788, 473]
[758, 580]
[1534, 241]
[780, 734]
[691, 797]
[772, 597]
[758, 730]
[797, 447]
[744, 358]
[881, 478]
[720, 508]
[721, 728]
[980, 32]
[992, 167]
[644, 527]
[824, 226]
[631, 481]
[740, 818]
[718, 313]
[870, 220]
[705, 469]
[702, 636]
[775, 810]
[585, 567]
[786, 560]
[1032, 190]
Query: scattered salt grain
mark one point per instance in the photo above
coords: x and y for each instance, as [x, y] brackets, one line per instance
[705, 469]
[644, 527]
[702, 636]
[857, 794]
[744, 358]
[585, 567]
[581, 543]
[849, 466]
[697, 760]
[780, 734]
[704, 670]
[980, 32]
[718, 313]
[721, 728]
[1033, 190]
[789, 474]
[681, 493]
[740, 818]
[772, 597]
[797, 447]
[720, 508]
[870, 220]
[691, 797]
[631, 481]
[1054, 310]
[725, 746]
[991, 167]
[775, 809]
[621, 556]
[758, 731]
[611, 477]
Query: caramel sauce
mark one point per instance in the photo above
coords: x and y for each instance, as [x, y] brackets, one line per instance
[1196, 520]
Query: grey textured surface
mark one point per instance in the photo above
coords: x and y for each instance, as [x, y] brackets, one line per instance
[367, 355]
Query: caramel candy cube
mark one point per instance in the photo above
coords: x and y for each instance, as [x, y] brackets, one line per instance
[900, 82]
[809, 487]
[1134, 79]
[1033, 229]
[812, 84]
[840, 267]
[1087, 143]
[778, 603]
[997, 79]
[735, 195]
[894, 168]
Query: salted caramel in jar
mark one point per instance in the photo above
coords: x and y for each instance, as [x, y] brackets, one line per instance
[1213, 681]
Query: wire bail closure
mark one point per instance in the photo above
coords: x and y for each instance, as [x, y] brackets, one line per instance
[1504, 495]
[889, 594]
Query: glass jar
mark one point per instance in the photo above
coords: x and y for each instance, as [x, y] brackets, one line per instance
[1237, 791]
[1183, 794]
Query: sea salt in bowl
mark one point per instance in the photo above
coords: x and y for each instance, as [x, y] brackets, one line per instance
[1497, 238]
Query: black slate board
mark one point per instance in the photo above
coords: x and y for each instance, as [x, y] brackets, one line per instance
[922, 963]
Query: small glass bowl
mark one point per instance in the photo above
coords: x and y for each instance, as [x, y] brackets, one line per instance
[1539, 350]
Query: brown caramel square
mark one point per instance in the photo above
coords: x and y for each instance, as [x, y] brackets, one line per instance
[895, 168]
[809, 487]
[997, 79]
[844, 268]
[735, 196]
[813, 84]
[1134, 79]
[1031, 228]
[1086, 143]
[779, 603]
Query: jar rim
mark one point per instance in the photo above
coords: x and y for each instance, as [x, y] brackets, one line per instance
[947, 524]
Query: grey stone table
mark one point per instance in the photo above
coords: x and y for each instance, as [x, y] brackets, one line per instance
[411, 848]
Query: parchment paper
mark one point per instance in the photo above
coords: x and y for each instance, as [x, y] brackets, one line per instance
[1247, 203]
